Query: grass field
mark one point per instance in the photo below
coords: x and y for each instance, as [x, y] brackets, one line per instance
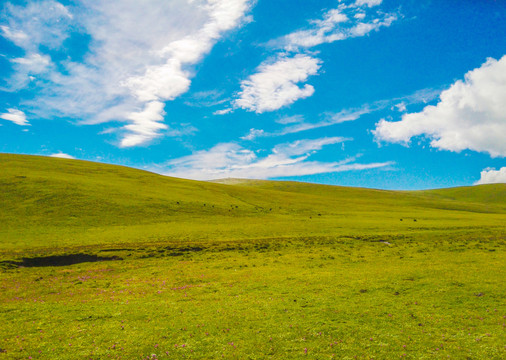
[106, 262]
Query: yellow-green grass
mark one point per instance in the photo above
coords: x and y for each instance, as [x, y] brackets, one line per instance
[245, 269]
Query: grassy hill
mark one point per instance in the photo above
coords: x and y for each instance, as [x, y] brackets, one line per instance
[244, 269]
[58, 202]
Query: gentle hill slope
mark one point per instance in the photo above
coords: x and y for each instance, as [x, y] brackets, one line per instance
[54, 202]
[482, 198]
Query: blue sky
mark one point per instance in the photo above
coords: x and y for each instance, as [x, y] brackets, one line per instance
[383, 94]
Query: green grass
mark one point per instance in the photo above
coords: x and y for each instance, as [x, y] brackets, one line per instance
[247, 269]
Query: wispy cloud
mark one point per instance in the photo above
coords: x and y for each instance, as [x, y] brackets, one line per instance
[140, 55]
[288, 159]
[27, 70]
[492, 176]
[345, 21]
[306, 146]
[206, 99]
[223, 111]
[39, 23]
[471, 114]
[16, 116]
[369, 3]
[290, 119]
[185, 129]
[298, 123]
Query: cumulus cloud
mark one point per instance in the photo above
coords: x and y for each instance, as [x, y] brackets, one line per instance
[16, 116]
[471, 114]
[492, 176]
[275, 84]
[289, 159]
[140, 55]
[62, 155]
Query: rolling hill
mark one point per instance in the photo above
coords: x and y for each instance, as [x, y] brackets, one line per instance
[51, 202]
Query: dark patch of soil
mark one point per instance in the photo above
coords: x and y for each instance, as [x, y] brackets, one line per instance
[176, 254]
[112, 250]
[59, 260]
[186, 249]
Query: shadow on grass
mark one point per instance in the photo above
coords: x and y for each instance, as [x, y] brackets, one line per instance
[58, 260]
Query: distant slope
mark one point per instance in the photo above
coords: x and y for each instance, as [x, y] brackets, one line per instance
[481, 198]
[53, 202]
[485, 194]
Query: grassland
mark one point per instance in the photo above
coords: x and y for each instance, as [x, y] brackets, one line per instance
[245, 269]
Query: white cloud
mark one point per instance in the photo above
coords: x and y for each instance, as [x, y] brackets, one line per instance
[306, 146]
[401, 107]
[471, 114]
[290, 119]
[16, 116]
[164, 82]
[146, 124]
[492, 176]
[223, 111]
[419, 96]
[141, 54]
[26, 69]
[275, 84]
[206, 98]
[231, 160]
[13, 35]
[253, 134]
[184, 130]
[330, 119]
[337, 24]
[321, 32]
[62, 155]
[34, 63]
[43, 22]
[169, 80]
[362, 29]
[369, 3]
